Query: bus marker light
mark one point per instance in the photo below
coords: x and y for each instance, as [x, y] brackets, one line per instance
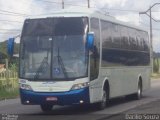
[81, 101]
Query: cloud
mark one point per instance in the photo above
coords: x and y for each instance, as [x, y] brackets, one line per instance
[110, 3]
[35, 7]
[130, 18]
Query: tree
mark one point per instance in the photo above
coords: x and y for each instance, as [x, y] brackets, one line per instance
[156, 65]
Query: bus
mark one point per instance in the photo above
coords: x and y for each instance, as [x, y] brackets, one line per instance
[82, 57]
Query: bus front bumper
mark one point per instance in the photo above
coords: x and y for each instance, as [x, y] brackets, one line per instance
[62, 98]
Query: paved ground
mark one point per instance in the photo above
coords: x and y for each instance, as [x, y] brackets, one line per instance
[149, 111]
[119, 109]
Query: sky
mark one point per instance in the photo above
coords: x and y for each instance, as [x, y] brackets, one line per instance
[14, 12]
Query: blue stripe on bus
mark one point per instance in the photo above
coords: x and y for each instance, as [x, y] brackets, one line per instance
[64, 98]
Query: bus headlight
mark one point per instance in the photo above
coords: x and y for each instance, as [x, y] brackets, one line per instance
[80, 86]
[25, 87]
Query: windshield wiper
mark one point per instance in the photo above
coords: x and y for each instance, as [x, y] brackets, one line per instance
[42, 67]
[60, 61]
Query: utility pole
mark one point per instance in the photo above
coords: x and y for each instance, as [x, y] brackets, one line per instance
[151, 35]
[62, 4]
[88, 3]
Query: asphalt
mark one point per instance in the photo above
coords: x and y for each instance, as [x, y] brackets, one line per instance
[149, 111]
[119, 109]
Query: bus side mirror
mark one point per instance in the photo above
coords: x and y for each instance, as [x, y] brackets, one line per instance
[90, 40]
[10, 46]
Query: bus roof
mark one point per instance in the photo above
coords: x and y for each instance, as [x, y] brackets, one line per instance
[87, 12]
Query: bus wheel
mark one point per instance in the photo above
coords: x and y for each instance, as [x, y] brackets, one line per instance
[138, 95]
[46, 107]
[105, 98]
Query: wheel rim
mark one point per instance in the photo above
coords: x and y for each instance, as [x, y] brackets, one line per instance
[139, 92]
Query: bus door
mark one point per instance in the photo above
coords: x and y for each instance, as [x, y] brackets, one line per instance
[94, 58]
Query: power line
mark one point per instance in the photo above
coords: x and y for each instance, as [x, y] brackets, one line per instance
[49, 1]
[10, 13]
[6, 33]
[121, 10]
[146, 25]
[11, 29]
[60, 3]
[13, 12]
[10, 21]
[21, 14]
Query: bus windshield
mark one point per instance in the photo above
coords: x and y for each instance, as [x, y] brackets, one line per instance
[54, 49]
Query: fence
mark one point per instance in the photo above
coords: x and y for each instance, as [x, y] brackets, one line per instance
[8, 80]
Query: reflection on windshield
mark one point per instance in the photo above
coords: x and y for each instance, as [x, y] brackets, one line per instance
[36, 57]
[42, 68]
[69, 57]
[54, 48]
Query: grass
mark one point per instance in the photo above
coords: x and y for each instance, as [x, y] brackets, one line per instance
[155, 75]
[9, 90]
[6, 94]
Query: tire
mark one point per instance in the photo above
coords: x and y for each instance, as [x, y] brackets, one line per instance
[138, 95]
[105, 98]
[46, 108]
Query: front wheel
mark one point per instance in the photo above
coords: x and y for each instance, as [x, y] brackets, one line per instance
[46, 108]
[105, 98]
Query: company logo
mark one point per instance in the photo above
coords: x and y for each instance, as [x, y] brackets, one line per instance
[47, 84]
[44, 83]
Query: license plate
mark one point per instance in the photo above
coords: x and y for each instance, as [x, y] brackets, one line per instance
[51, 99]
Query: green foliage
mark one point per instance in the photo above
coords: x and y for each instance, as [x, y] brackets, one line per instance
[10, 90]
[156, 65]
[5, 94]
[3, 49]
[13, 67]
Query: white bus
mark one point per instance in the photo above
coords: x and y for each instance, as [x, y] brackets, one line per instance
[81, 57]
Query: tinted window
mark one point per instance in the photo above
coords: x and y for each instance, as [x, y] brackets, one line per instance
[132, 39]
[70, 26]
[116, 36]
[124, 37]
[54, 48]
[145, 41]
[128, 51]
[106, 34]
[38, 27]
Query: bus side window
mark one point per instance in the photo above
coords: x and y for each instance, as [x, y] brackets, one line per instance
[124, 37]
[116, 36]
[145, 40]
[132, 39]
[106, 34]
